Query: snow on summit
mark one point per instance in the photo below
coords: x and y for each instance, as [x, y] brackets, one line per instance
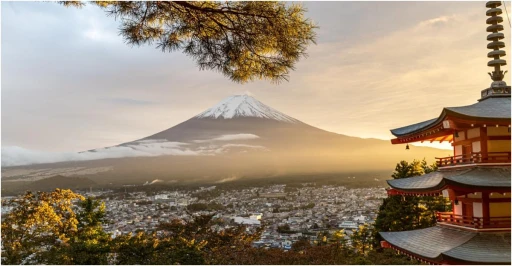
[244, 106]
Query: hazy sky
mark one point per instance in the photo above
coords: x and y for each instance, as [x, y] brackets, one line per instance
[70, 83]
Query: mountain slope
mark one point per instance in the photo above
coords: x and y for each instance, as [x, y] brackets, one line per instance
[238, 137]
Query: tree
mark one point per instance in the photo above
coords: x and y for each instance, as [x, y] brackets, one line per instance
[302, 244]
[399, 213]
[242, 40]
[37, 222]
[283, 229]
[91, 244]
[402, 213]
[405, 169]
[362, 239]
[200, 234]
[149, 248]
[338, 237]
[428, 168]
[310, 205]
[60, 227]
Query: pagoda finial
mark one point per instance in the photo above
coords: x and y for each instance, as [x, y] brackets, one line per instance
[495, 36]
[498, 86]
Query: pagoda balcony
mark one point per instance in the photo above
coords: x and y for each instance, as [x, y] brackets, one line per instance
[473, 222]
[474, 158]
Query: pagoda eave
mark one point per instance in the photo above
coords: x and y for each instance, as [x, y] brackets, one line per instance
[482, 179]
[493, 111]
[458, 246]
[436, 134]
[438, 191]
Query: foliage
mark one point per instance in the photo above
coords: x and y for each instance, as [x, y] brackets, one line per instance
[302, 244]
[332, 254]
[37, 222]
[148, 248]
[283, 229]
[242, 40]
[402, 213]
[91, 244]
[195, 207]
[405, 169]
[362, 239]
[203, 233]
[310, 205]
[208, 194]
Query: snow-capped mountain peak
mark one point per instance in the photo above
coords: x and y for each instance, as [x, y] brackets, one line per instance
[244, 106]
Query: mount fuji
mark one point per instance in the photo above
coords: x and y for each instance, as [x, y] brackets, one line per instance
[238, 137]
[236, 119]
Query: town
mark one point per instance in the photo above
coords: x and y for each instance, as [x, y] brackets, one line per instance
[288, 213]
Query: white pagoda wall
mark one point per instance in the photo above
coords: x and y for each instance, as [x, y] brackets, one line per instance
[477, 209]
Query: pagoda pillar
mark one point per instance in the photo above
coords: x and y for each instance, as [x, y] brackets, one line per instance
[483, 144]
[485, 209]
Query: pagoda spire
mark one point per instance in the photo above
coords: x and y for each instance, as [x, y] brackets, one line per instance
[498, 87]
[495, 36]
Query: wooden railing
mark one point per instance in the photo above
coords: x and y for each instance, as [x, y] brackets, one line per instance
[475, 157]
[473, 222]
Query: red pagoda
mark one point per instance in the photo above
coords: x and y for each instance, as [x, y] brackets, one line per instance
[476, 179]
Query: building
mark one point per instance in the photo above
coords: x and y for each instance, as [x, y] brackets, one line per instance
[256, 216]
[245, 221]
[161, 197]
[349, 225]
[476, 179]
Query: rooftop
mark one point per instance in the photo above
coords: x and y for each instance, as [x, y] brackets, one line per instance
[440, 244]
[495, 109]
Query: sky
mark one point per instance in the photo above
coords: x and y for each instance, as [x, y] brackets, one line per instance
[70, 83]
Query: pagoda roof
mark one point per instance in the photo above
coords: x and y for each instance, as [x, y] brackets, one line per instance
[489, 109]
[483, 177]
[441, 243]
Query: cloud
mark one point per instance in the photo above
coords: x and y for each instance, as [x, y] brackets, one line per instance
[15, 156]
[228, 179]
[229, 147]
[229, 137]
[439, 21]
